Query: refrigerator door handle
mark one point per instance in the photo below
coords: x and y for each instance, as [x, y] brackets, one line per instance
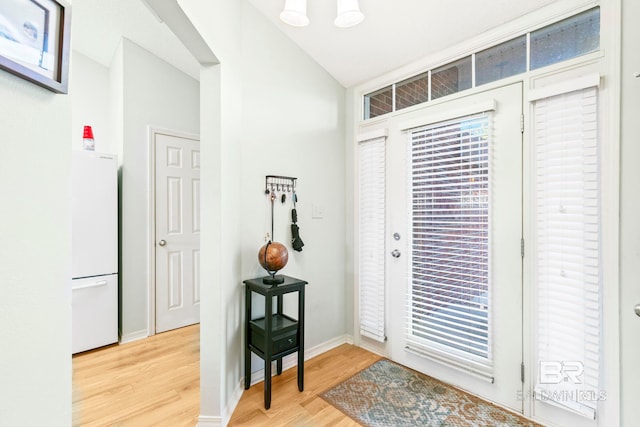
[92, 285]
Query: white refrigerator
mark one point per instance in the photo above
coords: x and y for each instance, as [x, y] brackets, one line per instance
[94, 228]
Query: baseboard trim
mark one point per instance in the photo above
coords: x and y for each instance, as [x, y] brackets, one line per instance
[373, 349]
[233, 401]
[258, 376]
[327, 345]
[208, 421]
[134, 336]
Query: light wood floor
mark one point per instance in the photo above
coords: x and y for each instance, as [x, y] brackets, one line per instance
[156, 382]
[151, 382]
[289, 407]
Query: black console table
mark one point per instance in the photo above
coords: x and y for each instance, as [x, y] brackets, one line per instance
[273, 336]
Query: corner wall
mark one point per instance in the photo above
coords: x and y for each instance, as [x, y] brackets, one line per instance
[278, 113]
[154, 93]
[293, 125]
[35, 254]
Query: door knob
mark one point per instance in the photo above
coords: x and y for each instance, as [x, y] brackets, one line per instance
[162, 242]
[637, 309]
[395, 253]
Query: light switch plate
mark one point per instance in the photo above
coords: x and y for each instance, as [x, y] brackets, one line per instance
[317, 212]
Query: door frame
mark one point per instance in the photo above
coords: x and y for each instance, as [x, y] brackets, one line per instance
[607, 62]
[152, 131]
[610, 413]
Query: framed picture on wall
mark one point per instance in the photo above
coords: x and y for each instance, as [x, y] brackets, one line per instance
[34, 41]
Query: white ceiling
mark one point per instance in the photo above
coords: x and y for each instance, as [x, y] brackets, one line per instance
[97, 26]
[394, 32]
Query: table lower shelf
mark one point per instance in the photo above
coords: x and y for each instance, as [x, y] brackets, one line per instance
[283, 336]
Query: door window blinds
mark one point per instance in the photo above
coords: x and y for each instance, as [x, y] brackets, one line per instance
[371, 235]
[448, 299]
[567, 252]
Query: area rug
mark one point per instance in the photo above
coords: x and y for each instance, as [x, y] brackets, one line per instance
[388, 395]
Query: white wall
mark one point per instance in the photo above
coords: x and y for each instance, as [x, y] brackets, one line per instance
[220, 127]
[293, 123]
[212, 272]
[630, 215]
[91, 104]
[35, 257]
[279, 113]
[153, 93]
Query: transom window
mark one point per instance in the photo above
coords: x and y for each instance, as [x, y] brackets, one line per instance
[561, 41]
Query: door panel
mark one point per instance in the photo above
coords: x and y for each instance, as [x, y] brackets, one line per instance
[177, 183]
[495, 374]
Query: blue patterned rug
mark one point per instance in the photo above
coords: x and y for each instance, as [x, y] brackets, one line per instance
[389, 395]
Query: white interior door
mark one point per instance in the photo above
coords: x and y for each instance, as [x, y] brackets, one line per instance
[177, 233]
[454, 194]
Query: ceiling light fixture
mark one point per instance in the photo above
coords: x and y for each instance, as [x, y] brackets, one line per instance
[349, 14]
[295, 13]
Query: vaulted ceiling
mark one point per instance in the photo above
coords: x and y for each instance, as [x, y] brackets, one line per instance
[97, 26]
[393, 34]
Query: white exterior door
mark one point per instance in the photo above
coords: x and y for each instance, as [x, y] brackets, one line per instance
[177, 231]
[454, 193]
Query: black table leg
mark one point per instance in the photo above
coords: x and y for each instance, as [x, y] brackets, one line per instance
[268, 317]
[247, 351]
[301, 339]
[279, 311]
[267, 384]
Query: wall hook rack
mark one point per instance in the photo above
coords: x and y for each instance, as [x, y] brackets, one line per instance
[279, 183]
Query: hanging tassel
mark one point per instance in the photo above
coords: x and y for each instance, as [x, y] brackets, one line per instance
[296, 241]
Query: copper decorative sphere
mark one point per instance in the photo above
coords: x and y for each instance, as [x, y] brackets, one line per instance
[273, 256]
